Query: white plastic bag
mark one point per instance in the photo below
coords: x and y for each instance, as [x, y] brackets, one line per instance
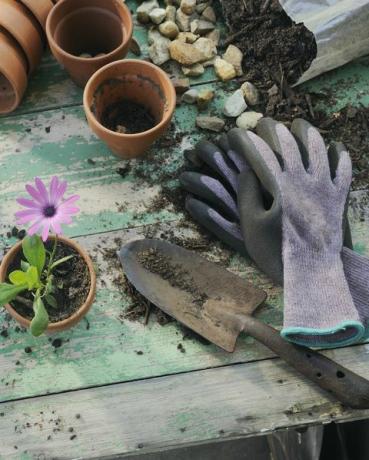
[340, 27]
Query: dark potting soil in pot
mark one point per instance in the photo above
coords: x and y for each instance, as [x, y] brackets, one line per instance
[72, 280]
[127, 117]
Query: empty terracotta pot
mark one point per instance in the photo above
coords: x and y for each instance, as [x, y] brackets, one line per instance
[40, 9]
[100, 28]
[17, 21]
[76, 316]
[137, 81]
[13, 74]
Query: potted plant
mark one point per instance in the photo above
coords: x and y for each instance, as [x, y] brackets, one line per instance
[47, 282]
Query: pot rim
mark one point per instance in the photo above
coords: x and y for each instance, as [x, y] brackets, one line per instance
[171, 101]
[32, 51]
[18, 84]
[78, 314]
[126, 38]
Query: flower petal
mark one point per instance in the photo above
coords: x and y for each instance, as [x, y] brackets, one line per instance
[60, 192]
[45, 230]
[68, 210]
[55, 225]
[28, 203]
[65, 219]
[23, 217]
[54, 185]
[35, 194]
[70, 200]
[34, 228]
[28, 212]
[42, 189]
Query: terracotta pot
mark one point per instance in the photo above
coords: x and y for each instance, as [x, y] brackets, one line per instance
[13, 74]
[40, 9]
[15, 19]
[139, 82]
[80, 313]
[76, 27]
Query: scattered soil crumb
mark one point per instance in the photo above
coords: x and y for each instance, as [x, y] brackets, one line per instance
[57, 343]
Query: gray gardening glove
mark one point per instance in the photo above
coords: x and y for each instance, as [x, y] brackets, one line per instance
[318, 306]
[261, 229]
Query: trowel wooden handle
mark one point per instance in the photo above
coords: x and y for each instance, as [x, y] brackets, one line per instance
[348, 387]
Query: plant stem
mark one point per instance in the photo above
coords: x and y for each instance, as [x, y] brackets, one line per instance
[51, 260]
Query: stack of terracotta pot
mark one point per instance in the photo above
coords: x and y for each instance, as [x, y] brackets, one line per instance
[22, 41]
[89, 38]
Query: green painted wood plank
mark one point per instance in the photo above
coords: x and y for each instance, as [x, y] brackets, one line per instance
[104, 349]
[212, 405]
[60, 142]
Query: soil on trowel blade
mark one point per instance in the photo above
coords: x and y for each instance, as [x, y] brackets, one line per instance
[272, 44]
[157, 263]
[127, 117]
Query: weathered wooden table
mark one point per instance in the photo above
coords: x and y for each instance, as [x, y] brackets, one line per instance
[112, 386]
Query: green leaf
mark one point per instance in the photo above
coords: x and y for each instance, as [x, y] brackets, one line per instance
[33, 279]
[50, 299]
[24, 265]
[34, 252]
[18, 277]
[30, 278]
[41, 319]
[61, 261]
[9, 292]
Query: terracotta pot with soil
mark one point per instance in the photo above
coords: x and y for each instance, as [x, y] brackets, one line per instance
[24, 28]
[13, 74]
[76, 281]
[85, 35]
[129, 104]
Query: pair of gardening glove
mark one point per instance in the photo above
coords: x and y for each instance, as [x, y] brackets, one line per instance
[288, 213]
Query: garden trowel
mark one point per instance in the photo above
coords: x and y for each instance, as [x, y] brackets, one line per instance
[219, 305]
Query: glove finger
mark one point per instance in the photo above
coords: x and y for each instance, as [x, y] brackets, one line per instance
[258, 155]
[344, 172]
[237, 158]
[280, 139]
[211, 190]
[192, 157]
[312, 146]
[214, 157]
[226, 231]
[261, 228]
[334, 152]
[253, 198]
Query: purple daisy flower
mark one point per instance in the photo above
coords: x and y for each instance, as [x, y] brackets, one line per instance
[48, 209]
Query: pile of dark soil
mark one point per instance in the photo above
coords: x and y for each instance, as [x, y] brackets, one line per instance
[127, 117]
[276, 53]
[274, 46]
[71, 280]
